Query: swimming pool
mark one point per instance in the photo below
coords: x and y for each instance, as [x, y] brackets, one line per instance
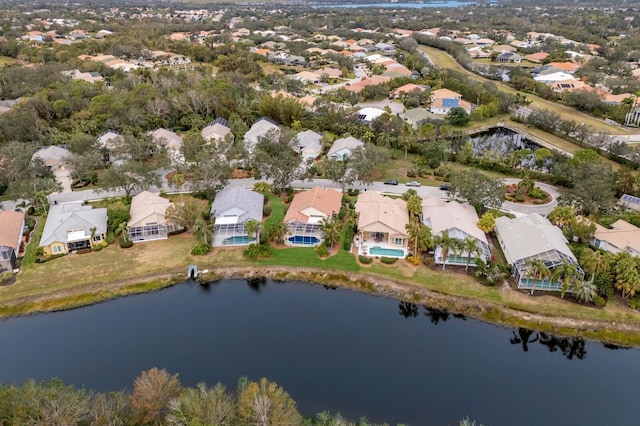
[380, 251]
[300, 239]
[238, 239]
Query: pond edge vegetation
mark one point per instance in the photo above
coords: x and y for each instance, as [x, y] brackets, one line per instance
[494, 312]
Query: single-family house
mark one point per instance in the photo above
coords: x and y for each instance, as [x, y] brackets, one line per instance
[306, 213]
[343, 147]
[553, 77]
[260, 129]
[629, 201]
[11, 229]
[509, 57]
[374, 80]
[537, 57]
[52, 156]
[622, 236]
[306, 77]
[231, 209]
[444, 100]
[329, 72]
[460, 222]
[73, 226]
[217, 130]
[417, 116]
[368, 114]
[409, 89]
[108, 142]
[309, 145]
[533, 237]
[568, 67]
[382, 225]
[170, 140]
[148, 221]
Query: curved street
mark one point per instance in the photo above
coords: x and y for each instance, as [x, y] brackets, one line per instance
[431, 191]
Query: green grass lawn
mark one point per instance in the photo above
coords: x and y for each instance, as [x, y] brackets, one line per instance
[306, 257]
[277, 210]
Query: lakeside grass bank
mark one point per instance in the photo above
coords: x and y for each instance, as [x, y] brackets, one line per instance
[115, 272]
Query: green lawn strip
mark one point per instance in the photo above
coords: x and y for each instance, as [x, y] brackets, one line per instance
[29, 257]
[306, 257]
[277, 210]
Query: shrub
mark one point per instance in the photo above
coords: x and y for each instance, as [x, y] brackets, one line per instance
[201, 250]
[110, 238]
[353, 192]
[342, 212]
[366, 260]
[601, 301]
[519, 197]
[346, 199]
[388, 260]
[177, 231]
[99, 246]
[125, 244]
[411, 174]
[322, 250]
[348, 237]
[266, 210]
[5, 276]
[414, 260]
[537, 193]
[255, 251]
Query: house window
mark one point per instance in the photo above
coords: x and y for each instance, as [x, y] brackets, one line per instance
[5, 255]
[56, 249]
[97, 237]
[398, 241]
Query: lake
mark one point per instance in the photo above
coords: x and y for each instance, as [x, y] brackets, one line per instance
[446, 3]
[333, 350]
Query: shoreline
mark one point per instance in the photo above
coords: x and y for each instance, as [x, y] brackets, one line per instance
[623, 334]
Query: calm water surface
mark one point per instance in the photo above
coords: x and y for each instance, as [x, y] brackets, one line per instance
[331, 350]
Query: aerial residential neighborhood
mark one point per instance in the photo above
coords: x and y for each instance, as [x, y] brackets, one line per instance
[464, 157]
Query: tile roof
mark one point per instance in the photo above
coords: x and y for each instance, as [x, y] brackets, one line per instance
[10, 227]
[373, 208]
[327, 201]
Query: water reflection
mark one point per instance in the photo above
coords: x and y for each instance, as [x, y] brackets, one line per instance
[411, 310]
[569, 347]
[256, 284]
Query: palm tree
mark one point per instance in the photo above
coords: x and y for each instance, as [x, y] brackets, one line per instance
[252, 227]
[123, 231]
[595, 262]
[537, 271]
[277, 232]
[585, 292]
[419, 236]
[414, 206]
[200, 231]
[330, 226]
[472, 247]
[446, 244]
[567, 274]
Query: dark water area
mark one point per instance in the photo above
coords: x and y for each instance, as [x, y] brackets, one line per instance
[333, 350]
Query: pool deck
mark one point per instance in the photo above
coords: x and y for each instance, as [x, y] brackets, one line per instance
[365, 246]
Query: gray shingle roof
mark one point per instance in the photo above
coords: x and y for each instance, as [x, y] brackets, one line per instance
[65, 217]
[529, 236]
[243, 203]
